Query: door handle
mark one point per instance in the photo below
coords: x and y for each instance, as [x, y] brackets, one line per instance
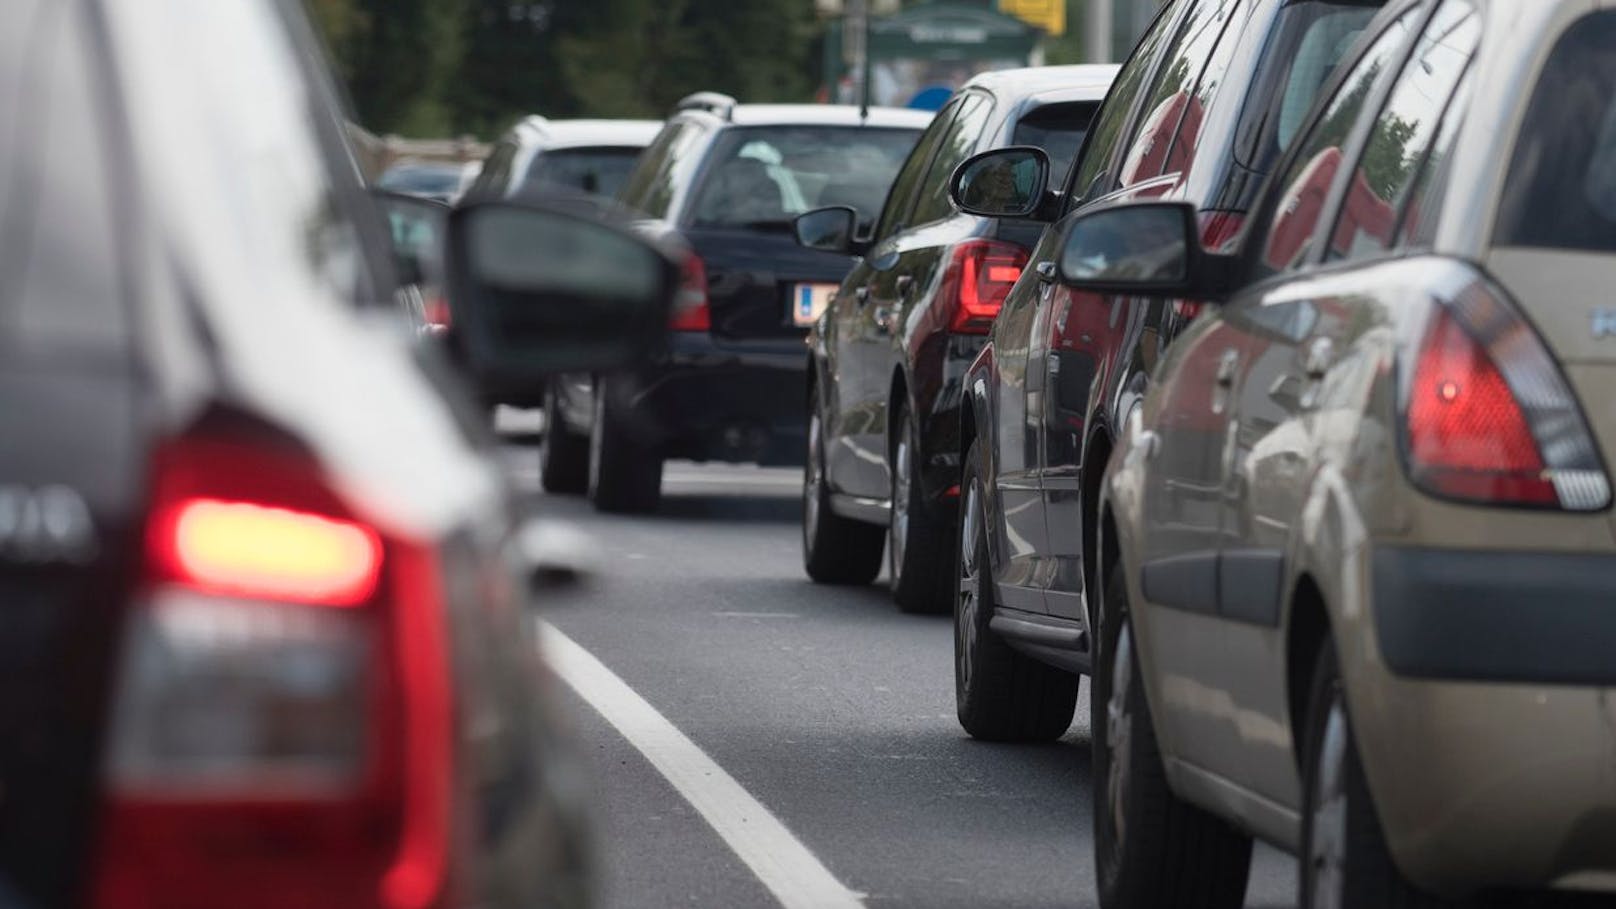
[1045, 272]
[1228, 365]
[862, 295]
[1319, 355]
[906, 283]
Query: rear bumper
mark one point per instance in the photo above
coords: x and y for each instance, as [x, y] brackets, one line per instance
[1489, 725]
[727, 401]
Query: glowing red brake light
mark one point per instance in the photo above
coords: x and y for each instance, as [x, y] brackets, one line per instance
[248, 550]
[435, 310]
[691, 310]
[977, 282]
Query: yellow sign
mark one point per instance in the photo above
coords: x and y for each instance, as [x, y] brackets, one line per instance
[1049, 15]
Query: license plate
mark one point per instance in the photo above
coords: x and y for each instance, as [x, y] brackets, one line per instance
[808, 301]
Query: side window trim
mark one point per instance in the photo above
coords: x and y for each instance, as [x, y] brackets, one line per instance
[1235, 10]
[926, 181]
[900, 221]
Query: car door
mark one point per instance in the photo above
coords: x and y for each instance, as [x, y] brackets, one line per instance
[1208, 587]
[1086, 335]
[855, 459]
[1296, 341]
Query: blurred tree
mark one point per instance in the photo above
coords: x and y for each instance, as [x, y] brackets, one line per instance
[399, 58]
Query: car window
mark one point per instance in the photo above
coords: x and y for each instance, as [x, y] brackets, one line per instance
[761, 177]
[1378, 187]
[901, 198]
[1561, 188]
[658, 173]
[1188, 137]
[596, 171]
[1312, 171]
[1431, 186]
[960, 142]
[1100, 148]
[1304, 48]
[1172, 98]
[1057, 129]
[59, 287]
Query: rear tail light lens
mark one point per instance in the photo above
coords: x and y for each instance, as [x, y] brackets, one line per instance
[1488, 417]
[978, 280]
[435, 309]
[691, 310]
[282, 733]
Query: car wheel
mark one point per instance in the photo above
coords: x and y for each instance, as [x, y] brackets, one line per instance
[918, 547]
[625, 474]
[1345, 860]
[563, 454]
[1151, 849]
[835, 550]
[1001, 694]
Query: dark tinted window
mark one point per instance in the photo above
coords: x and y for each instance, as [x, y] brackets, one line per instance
[1380, 184]
[1312, 172]
[1057, 129]
[1172, 99]
[597, 171]
[960, 142]
[761, 177]
[1101, 147]
[59, 287]
[900, 200]
[670, 161]
[1304, 48]
[1561, 189]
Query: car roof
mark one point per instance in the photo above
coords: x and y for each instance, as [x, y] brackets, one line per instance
[823, 115]
[1084, 82]
[586, 133]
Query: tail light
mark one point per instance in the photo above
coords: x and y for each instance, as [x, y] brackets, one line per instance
[1488, 417]
[977, 282]
[691, 311]
[435, 310]
[283, 723]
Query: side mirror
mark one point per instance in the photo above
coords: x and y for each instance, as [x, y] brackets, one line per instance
[416, 227]
[1148, 249]
[1003, 183]
[833, 229]
[539, 290]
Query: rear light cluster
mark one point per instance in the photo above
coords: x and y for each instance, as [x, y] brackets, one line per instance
[282, 733]
[435, 310]
[978, 280]
[1488, 417]
[691, 309]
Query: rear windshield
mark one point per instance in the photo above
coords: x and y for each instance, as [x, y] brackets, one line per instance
[423, 180]
[596, 171]
[763, 177]
[1307, 43]
[1057, 129]
[1561, 190]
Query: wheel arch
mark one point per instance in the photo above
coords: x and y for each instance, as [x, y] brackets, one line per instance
[1306, 635]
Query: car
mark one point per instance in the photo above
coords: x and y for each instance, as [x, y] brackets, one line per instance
[1201, 112]
[1356, 541]
[888, 356]
[593, 157]
[728, 179]
[265, 640]
[440, 181]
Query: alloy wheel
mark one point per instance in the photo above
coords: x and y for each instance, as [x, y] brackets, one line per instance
[1118, 735]
[898, 533]
[969, 599]
[813, 479]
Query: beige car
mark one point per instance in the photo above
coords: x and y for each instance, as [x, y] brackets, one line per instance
[1359, 560]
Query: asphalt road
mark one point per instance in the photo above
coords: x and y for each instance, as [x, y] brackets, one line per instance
[828, 706]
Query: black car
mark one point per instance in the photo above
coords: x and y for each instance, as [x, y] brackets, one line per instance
[729, 178]
[1201, 113]
[263, 640]
[887, 357]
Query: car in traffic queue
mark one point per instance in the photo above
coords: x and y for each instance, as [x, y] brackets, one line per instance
[728, 179]
[264, 640]
[1201, 112]
[888, 355]
[440, 181]
[1356, 542]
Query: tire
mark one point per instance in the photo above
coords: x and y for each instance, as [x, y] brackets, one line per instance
[563, 454]
[835, 550]
[919, 546]
[1152, 850]
[1336, 798]
[1001, 694]
[625, 473]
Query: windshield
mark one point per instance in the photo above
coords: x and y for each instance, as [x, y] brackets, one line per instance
[1561, 191]
[596, 171]
[763, 177]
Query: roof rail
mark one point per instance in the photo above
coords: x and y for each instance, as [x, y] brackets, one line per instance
[537, 122]
[713, 102]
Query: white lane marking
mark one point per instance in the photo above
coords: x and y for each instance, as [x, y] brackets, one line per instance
[757, 615]
[784, 865]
